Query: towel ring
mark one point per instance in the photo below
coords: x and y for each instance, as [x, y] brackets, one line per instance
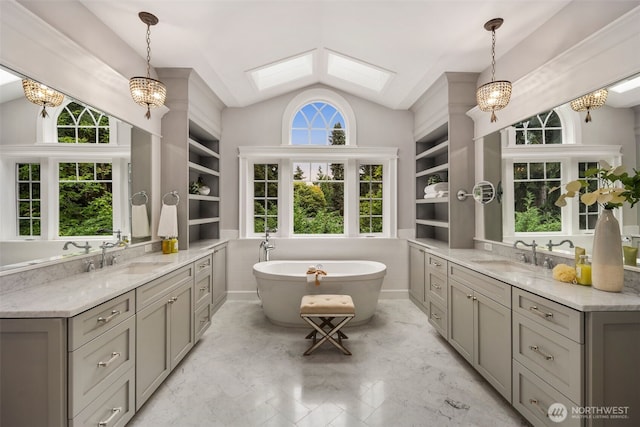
[144, 198]
[173, 194]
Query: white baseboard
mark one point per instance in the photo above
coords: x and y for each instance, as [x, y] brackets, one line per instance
[394, 294]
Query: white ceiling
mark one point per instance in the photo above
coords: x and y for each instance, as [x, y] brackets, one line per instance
[416, 40]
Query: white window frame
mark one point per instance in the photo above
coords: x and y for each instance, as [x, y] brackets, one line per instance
[569, 155]
[286, 156]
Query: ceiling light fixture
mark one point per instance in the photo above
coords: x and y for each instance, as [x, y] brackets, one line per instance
[590, 102]
[41, 95]
[146, 91]
[494, 95]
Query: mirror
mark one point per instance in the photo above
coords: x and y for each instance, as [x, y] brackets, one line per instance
[551, 148]
[73, 176]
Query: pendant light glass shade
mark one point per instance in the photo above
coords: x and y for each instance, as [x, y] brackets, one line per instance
[146, 91]
[41, 95]
[589, 102]
[495, 95]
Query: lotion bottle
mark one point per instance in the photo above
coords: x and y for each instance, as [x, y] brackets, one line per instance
[583, 271]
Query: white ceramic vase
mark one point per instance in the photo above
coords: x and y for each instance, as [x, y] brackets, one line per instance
[204, 190]
[607, 271]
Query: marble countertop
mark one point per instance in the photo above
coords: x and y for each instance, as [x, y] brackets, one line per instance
[80, 292]
[539, 281]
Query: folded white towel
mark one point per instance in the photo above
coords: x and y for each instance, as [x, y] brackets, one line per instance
[139, 221]
[311, 277]
[434, 188]
[168, 224]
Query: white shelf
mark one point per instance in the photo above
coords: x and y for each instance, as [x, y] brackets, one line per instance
[433, 200]
[435, 150]
[433, 223]
[205, 198]
[200, 168]
[440, 168]
[201, 149]
[201, 221]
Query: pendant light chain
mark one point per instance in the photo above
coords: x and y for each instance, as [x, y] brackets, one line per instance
[148, 51]
[493, 54]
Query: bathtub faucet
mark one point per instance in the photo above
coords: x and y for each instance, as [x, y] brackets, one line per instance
[267, 246]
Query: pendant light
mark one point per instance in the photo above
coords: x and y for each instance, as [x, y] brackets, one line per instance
[41, 95]
[146, 91]
[494, 95]
[590, 102]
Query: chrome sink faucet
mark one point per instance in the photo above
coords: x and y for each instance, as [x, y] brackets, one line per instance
[533, 245]
[265, 245]
[86, 246]
[108, 245]
[550, 245]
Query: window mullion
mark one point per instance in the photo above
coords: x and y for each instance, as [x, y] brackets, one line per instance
[351, 196]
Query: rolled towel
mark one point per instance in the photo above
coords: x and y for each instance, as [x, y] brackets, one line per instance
[168, 224]
[434, 188]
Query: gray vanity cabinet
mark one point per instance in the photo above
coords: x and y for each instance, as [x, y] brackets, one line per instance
[417, 274]
[165, 329]
[480, 326]
[203, 295]
[33, 372]
[219, 275]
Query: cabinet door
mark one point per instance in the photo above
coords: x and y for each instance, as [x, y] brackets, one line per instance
[492, 349]
[33, 372]
[219, 275]
[181, 329]
[153, 363]
[461, 319]
[416, 269]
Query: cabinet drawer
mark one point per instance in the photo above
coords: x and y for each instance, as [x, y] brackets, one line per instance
[436, 264]
[532, 397]
[97, 364]
[114, 408]
[557, 317]
[438, 318]
[437, 288]
[203, 320]
[88, 325]
[203, 266]
[498, 291]
[554, 358]
[148, 293]
[203, 288]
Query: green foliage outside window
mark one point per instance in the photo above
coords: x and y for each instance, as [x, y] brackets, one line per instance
[78, 124]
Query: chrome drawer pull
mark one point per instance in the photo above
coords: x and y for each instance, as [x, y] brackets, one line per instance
[114, 356]
[204, 288]
[172, 300]
[435, 316]
[437, 287]
[205, 320]
[535, 403]
[114, 412]
[437, 264]
[536, 310]
[469, 296]
[540, 352]
[108, 319]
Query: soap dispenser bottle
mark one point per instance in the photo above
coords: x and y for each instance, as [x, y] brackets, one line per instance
[583, 271]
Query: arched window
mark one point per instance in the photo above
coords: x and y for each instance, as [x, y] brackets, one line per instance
[543, 128]
[318, 123]
[79, 124]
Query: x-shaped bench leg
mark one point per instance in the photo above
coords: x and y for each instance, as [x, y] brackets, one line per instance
[326, 336]
[326, 321]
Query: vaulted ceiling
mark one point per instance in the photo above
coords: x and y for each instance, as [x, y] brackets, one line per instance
[415, 40]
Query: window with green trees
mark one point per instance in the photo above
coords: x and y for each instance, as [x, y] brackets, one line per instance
[588, 215]
[79, 124]
[318, 198]
[534, 208]
[370, 198]
[86, 199]
[265, 197]
[28, 200]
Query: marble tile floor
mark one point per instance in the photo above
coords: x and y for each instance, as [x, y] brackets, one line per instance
[247, 372]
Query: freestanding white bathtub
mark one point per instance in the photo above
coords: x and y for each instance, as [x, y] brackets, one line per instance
[282, 284]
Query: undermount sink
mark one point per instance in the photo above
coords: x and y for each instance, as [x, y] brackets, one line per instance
[504, 266]
[142, 267]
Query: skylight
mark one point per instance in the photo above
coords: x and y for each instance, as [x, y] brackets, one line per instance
[357, 72]
[626, 85]
[6, 77]
[282, 72]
